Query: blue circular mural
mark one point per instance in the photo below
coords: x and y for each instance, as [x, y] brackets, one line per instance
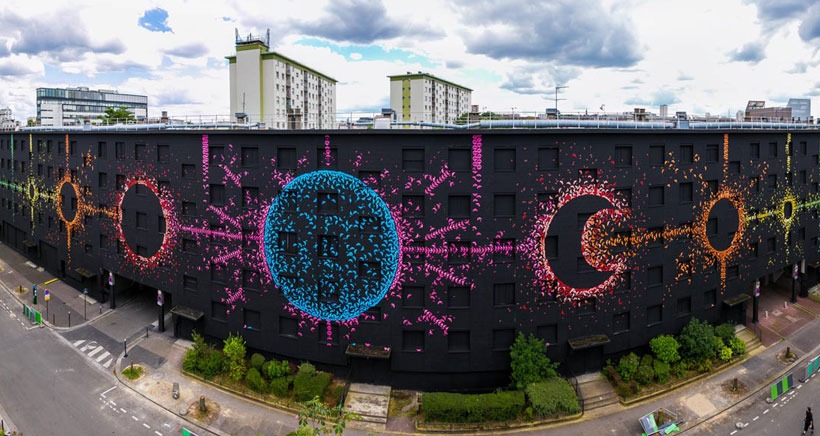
[331, 245]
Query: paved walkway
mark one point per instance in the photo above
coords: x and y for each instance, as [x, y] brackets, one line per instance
[792, 325]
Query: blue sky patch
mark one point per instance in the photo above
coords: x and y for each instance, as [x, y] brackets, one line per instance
[355, 52]
[155, 20]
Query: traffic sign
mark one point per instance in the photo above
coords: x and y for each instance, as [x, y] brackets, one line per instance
[47, 295]
[159, 297]
[110, 278]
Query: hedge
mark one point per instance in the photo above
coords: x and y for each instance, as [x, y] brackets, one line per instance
[280, 386]
[254, 380]
[447, 407]
[552, 396]
[305, 386]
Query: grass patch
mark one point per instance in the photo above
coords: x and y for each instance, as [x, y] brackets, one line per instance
[133, 372]
[398, 401]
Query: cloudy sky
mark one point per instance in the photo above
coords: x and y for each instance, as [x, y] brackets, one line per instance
[698, 55]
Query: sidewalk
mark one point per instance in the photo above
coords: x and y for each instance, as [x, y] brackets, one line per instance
[792, 325]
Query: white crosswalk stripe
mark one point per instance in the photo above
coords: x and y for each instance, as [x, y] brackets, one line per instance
[95, 351]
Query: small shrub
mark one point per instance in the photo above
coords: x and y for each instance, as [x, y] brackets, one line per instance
[277, 369]
[497, 406]
[257, 360]
[133, 372]
[628, 366]
[703, 366]
[662, 371]
[719, 345]
[626, 389]
[551, 397]
[529, 361]
[665, 348]
[190, 361]
[306, 369]
[254, 380]
[725, 354]
[725, 332]
[696, 340]
[212, 364]
[645, 374]
[235, 350]
[738, 346]
[280, 386]
[679, 368]
[306, 386]
[610, 372]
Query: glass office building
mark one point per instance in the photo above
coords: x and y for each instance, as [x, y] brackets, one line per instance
[76, 106]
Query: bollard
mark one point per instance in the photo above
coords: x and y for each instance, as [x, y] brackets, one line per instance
[202, 407]
[785, 305]
[767, 314]
[125, 346]
[69, 318]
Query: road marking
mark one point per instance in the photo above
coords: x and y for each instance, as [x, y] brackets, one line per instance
[134, 418]
[146, 425]
[95, 351]
[766, 411]
[109, 390]
[755, 418]
[89, 345]
[158, 433]
[123, 410]
[77, 343]
[730, 434]
[108, 364]
[50, 282]
[103, 356]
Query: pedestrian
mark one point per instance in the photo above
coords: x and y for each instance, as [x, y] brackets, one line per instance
[809, 421]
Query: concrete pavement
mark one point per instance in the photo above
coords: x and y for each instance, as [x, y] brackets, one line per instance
[790, 325]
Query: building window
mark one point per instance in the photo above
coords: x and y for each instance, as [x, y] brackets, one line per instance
[327, 158]
[188, 208]
[219, 311]
[287, 242]
[771, 245]
[712, 153]
[217, 195]
[219, 273]
[504, 159]
[139, 152]
[657, 155]
[216, 155]
[190, 283]
[771, 182]
[547, 333]
[102, 149]
[654, 315]
[163, 153]
[412, 296]
[458, 206]
[412, 340]
[503, 294]
[250, 157]
[288, 327]
[656, 196]
[102, 179]
[458, 341]
[620, 322]
[551, 246]
[754, 151]
[142, 220]
[328, 203]
[458, 252]
[189, 246]
[623, 155]
[686, 192]
[655, 275]
[772, 150]
[188, 171]
[412, 159]
[504, 250]
[250, 195]
[586, 306]
[547, 158]
[371, 178]
[328, 246]
[504, 205]
[687, 154]
[458, 159]
[458, 297]
[286, 158]
[684, 306]
[503, 339]
[625, 195]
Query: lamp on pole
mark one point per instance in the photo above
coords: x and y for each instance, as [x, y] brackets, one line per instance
[558, 88]
[85, 303]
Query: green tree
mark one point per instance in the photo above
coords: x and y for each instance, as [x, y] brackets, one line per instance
[321, 419]
[234, 350]
[529, 361]
[114, 115]
[697, 340]
[665, 348]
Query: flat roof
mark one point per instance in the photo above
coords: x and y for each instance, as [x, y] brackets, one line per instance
[267, 54]
[412, 76]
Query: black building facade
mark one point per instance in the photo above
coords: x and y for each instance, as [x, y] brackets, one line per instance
[415, 257]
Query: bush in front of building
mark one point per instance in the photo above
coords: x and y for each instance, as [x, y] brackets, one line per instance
[309, 383]
[255, 381]
[529, 361]
[235, 351]
[662, 371]
[280, 386]
[274, 369]
[645, 374]
[665, 348]
[738, 346]
[725, 332]
[552, 397]
[697, 340]
[628, 366]
[257, 361]
[456, 408]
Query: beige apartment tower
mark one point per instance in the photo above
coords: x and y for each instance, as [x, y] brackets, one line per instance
[277, 91]
[422, 97]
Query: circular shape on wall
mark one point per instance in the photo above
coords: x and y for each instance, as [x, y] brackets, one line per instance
[153, 254]
[701, 225]
[331, 245]
[65, 190]
[32, 192]
[722, 211]
[788, 208]
[140, 209]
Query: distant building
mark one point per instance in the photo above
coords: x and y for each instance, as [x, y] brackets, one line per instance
[756, 110]
[6, 120]
[270, 88]
[75, 106]
[801, 109]
[422, 97]
[664, 111]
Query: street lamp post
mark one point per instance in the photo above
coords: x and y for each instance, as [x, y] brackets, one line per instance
[85, 304]
[558, 88]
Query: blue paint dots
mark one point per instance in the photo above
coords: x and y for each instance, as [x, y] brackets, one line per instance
[331, 245]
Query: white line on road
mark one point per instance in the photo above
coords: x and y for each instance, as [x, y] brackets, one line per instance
[113, 403]
[146, 425]
[766, 411]
[89, 345]
[77, 343]
[134, 418]
[96, 350]
[755, 418]
[108, 364]
[730, 434]
[158, 433]
[109, 390]
[123, 410]
[102, 356]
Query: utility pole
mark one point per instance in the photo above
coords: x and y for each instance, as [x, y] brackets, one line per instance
[558, 88]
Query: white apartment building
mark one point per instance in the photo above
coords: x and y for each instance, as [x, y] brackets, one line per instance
[269, 88]
[6, 120]
[422, 97]
[75, 106]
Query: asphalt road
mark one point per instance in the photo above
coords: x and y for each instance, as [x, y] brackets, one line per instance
[47, 387]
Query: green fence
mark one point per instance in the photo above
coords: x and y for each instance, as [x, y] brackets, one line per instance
[781, 387]
[811, 368]
[34, 316]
